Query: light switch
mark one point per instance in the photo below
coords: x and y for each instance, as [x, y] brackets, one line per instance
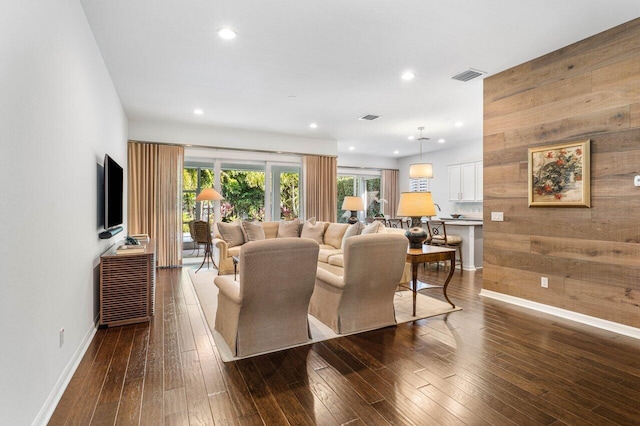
[497, 216]
[636, 180]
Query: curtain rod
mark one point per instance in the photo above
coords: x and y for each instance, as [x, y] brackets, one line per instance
[365, 168]
[220, 148]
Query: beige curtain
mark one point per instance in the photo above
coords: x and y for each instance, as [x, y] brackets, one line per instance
[321, 187]
[154, 201]
[390, 191]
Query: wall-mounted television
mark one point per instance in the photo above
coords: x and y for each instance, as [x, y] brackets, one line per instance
[113, 193]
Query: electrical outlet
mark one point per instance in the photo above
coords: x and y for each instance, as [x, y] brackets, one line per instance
[497, 216]
[636, 180]
[544, 282]
[61, 336]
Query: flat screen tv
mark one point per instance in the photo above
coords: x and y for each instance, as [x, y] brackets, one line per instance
[113, 193]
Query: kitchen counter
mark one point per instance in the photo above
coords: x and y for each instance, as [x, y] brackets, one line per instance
[471, 233]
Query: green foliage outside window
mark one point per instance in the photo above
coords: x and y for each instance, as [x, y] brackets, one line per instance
[373, 190]
[243, 193]
[289, 195]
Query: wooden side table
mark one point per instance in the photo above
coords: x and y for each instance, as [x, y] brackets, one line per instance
[430, 254]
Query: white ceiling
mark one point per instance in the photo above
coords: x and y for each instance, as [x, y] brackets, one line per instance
[295, 62]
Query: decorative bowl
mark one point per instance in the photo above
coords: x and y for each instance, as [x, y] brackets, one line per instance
[456, 215]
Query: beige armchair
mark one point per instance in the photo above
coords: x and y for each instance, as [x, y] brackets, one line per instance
[268, 308]
[362, 298]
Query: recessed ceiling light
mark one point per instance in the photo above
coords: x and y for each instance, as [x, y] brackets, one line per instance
[458, 124]
[396, 152]
[441, 141]
[408, 75]
[198, 111]
[313, 125]
[411, 138]
[351, 148]
[227, 33]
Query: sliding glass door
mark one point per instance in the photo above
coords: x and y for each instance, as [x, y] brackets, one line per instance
[366, 186]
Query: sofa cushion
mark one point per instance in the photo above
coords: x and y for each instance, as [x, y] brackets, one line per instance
[336, 270]
[373, 228]
[231, 233]
[253, 230]
[313, 230]
[336, 260]
[326, 252]
[334, 233]
[270, 228]
[288, 228]
[350, 232]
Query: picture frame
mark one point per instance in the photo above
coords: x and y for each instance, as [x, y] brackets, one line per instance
[559, 175]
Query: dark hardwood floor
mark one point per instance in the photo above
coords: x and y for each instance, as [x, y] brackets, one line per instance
[489, 364]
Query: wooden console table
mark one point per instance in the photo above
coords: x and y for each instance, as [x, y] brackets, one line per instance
[127, 286]
[430, 254]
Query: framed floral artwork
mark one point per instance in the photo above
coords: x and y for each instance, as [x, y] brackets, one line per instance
[559, 175]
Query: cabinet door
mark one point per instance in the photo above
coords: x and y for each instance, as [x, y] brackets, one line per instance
[454, 183]
[479, 181]
[468, 187]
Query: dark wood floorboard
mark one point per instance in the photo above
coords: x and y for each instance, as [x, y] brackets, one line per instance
[489, 364]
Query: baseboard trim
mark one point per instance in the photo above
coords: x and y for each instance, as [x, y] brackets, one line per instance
[52, 401]
[615, 327]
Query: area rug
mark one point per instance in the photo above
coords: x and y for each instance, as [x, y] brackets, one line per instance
[207, 293]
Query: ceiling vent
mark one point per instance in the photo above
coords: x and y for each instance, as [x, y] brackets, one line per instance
[469, 74]
[369, 117]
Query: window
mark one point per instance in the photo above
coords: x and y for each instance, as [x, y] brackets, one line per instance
[194, 180]
[419, 185]
[254, 185]
[366, 186]
[243, 189]
[346, 187]
[285, 192]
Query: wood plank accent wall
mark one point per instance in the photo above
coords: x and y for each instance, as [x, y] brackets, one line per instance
[588, 90]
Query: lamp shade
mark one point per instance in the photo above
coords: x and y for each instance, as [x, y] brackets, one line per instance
[209, 194]
[421, 170]
[352, 203]
[416, 204]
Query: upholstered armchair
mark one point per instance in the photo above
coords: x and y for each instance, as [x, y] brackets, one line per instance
[267, 309]
[362, 298]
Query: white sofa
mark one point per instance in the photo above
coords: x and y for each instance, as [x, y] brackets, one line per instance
[229, 239]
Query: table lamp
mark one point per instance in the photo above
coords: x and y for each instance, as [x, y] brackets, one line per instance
[354, 204]
[415, 205]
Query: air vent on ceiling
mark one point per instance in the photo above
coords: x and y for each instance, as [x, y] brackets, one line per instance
[467, 75]
[369, 117]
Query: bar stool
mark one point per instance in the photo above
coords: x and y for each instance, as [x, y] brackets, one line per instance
[439, 237]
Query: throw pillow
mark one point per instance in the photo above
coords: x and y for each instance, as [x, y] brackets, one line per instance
[313, 230]
[253, 230]
[372, 228]
[289, 229]
[351, 231]
[231, 233]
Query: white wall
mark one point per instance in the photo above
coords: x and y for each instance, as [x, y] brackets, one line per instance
[59, 115]
[369, 162]
[225, 137]
[439, 185]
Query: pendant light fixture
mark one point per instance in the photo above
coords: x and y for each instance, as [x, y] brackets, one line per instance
[421, 170]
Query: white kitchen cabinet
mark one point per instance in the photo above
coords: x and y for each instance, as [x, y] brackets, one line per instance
[465, 182]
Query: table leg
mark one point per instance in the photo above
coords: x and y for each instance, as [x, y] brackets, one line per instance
[452, 268]
[414, 289]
